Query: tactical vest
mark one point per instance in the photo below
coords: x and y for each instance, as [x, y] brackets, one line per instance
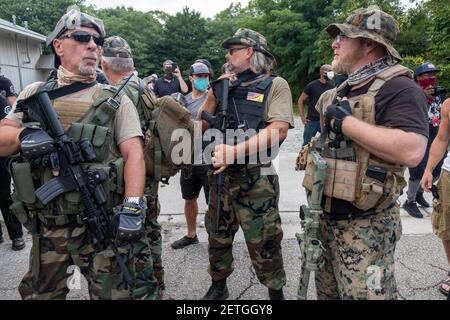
[95, 122]
[368, 182]
[247, 105]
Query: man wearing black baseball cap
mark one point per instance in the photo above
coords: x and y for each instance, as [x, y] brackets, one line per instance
[425, 76]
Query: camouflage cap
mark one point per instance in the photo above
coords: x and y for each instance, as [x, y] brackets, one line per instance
[370, 23]
[74, 19]
[116, 47]
[249, 38]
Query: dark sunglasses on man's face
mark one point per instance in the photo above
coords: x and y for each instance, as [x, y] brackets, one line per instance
[84, 37]
[232, 50]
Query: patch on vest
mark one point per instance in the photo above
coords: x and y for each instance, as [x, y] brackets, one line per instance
[255, 97]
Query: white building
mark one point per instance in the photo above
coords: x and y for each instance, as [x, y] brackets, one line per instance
[21, 57]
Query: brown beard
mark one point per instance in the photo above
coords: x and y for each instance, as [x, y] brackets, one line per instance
[343, 66]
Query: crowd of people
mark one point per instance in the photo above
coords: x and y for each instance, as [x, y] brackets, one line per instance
[368, 117]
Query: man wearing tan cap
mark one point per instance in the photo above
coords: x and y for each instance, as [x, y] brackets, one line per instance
[375, 127]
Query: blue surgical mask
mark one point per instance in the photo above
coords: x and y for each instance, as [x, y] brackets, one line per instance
[201, 84]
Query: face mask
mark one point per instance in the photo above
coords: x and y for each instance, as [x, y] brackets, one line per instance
[425, 83]
[201, 84]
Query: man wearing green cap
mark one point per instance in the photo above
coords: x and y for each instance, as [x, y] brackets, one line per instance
[261, 102]
[375, 127]
[118, 66]
[112, 131]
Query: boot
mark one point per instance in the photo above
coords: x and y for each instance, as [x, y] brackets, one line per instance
[217, 291]
[421, 200]
[412, 209]
[276, 294]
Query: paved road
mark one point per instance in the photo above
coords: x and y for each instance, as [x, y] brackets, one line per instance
[420, 259]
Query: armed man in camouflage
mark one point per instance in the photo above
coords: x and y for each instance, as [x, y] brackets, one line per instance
[375, 127]
[118, 65]
[60, 237]
[260, 101]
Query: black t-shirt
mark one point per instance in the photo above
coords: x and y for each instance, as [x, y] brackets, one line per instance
[165, 88]
[314, 90]
[400, 104]
[6, 90]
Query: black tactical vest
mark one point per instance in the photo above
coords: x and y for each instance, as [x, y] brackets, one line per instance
[246, 110]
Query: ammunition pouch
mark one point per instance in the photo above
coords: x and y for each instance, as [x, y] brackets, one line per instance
[64, 206]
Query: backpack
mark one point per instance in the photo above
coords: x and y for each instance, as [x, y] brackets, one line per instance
[160, 118]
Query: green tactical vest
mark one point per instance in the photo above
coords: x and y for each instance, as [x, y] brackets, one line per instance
[95, 123]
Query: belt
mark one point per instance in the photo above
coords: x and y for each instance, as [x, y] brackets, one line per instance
[355, 215]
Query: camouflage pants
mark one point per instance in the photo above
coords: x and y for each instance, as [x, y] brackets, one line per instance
[59, 248]
[359, 257]
[249, 201]
[153, 233]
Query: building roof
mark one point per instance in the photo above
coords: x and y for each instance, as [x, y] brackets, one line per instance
[11, 27]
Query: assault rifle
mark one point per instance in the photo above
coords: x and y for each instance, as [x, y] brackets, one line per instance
[219, 122]
[73, 176]
[310, 246]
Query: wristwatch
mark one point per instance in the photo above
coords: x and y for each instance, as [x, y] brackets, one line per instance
[140, 201]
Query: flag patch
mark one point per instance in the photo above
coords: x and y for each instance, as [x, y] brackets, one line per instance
[255, 97]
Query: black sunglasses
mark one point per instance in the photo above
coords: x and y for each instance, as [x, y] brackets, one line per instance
[232, 50]
[84, 37]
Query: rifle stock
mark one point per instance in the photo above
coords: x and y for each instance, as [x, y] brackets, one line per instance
[310, 246]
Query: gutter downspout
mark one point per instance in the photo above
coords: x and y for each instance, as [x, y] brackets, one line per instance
[18, 63]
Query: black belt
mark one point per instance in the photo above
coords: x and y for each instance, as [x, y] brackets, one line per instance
[355, 215]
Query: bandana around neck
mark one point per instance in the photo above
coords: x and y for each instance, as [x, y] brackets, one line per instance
[66, 77]
[370, 70]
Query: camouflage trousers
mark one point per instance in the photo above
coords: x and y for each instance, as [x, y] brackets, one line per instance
[359, 257]
[59, 252]
[153, 233]
[249, 201]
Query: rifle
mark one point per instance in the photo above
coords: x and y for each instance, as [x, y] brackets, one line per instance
[310, 246]
[73, 176]
[221, 87]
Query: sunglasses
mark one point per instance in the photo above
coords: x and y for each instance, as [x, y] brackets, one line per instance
[339, 38]
[84, 37]
[232, 50]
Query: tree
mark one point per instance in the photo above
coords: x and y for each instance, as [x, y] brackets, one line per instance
[41, 16]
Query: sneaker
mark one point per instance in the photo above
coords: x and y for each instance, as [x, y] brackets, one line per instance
[421, 200]
[184, 242]
[18, 244]
[412, 209]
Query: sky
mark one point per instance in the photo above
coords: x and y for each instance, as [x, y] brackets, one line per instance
[208, 8]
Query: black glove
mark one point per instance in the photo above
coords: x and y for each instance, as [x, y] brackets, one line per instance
[35, 143]
[129, 221]
[338, 112]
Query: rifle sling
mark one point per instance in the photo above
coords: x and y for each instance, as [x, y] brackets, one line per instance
[70, 89]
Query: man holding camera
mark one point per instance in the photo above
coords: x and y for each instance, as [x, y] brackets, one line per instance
[425, 76]
[374, 129]
[172, 82]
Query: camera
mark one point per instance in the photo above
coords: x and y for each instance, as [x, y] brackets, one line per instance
[439, 91]
[174, 66]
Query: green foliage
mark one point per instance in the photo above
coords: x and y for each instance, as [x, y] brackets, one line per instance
[294, 30]
[42, 16]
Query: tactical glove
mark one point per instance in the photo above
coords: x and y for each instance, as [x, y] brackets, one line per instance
[129, 221]
[35, 143]
[338, 112]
